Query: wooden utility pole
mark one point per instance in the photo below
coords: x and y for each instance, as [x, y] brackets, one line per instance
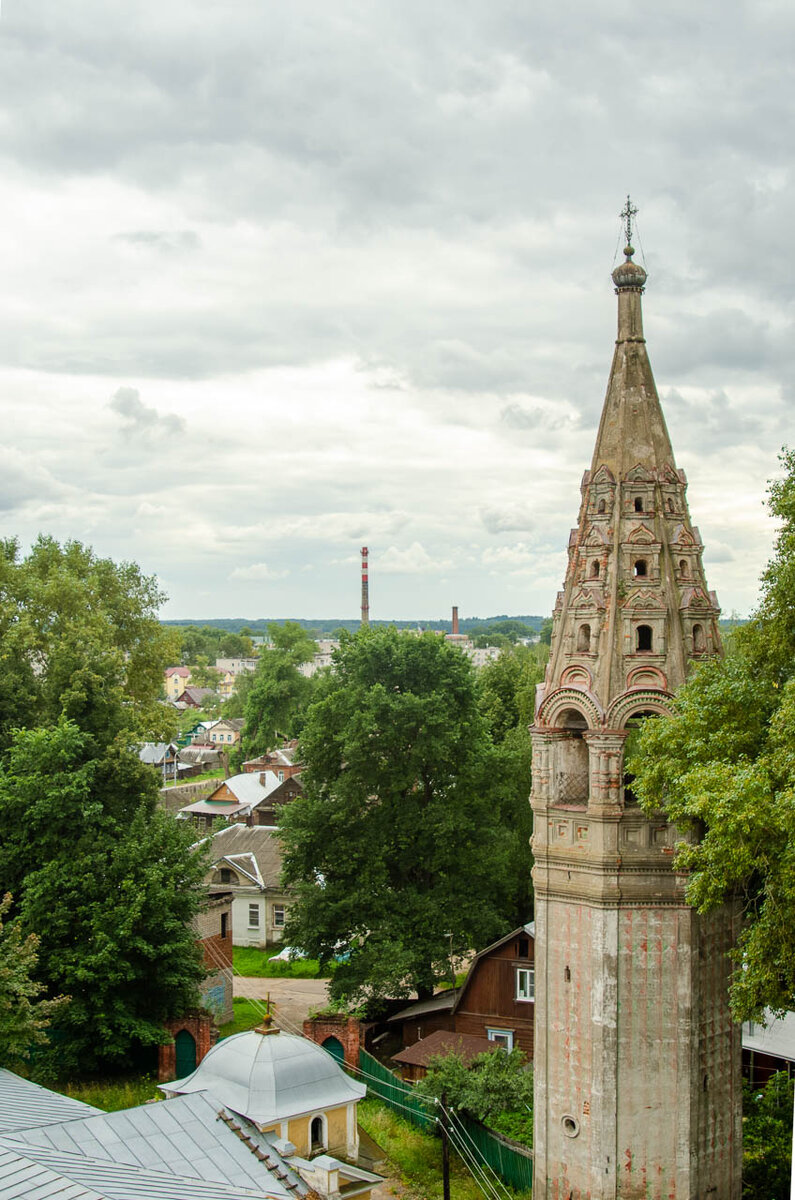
[445, 1150]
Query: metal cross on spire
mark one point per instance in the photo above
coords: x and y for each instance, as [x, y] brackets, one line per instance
[627, 213]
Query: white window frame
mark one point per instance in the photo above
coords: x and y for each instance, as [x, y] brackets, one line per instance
[525, 991]
[279, 916]
[253, 911]
[501, 1037]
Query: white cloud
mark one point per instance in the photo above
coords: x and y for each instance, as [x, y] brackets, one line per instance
[257, 571]
[413, 560]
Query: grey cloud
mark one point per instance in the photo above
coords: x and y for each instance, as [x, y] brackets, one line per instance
[513, 517]
[164, 241]
[140, 417]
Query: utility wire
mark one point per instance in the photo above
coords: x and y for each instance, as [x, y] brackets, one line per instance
[476, 1150]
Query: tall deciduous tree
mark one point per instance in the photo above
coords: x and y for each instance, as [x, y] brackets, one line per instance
[106, 881]
[396, 849]
[278, 696]
[24, 1015]
[724, 766]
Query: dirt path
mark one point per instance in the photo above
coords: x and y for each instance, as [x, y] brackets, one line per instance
[292, 998]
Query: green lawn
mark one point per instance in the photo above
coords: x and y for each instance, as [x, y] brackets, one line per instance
[414, 1157]
[247, 1015]
[251, 961]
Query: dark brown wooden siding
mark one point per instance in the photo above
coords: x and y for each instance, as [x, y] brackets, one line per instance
[489, 1000]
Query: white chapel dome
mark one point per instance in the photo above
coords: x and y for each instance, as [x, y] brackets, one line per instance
[270, 1077]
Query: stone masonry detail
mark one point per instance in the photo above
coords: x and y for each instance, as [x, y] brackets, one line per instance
[637, 1060]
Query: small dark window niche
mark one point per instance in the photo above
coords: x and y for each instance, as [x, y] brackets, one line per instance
[643, 638]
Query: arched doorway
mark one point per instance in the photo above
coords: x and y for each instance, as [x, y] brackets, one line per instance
[185, 1045]
[335, 1049]
[317, 1135]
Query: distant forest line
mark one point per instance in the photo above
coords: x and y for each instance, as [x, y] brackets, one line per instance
[326, 626]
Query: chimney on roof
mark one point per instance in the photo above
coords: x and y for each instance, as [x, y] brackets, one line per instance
[455, 618]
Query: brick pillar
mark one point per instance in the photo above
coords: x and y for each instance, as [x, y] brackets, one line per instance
[201, 1028]
[347, 1031]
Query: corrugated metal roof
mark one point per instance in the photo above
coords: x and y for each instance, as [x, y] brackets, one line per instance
[441, 1002]
[183, 1136]
[40, 1173]
[260, 841]
[24, 1105]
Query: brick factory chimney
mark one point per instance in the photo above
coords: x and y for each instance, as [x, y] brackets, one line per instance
[365, 587]
[455, 619]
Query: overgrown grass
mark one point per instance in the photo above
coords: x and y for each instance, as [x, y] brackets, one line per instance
[216, 773]
[112, 1094]
[414, 1157]
[251, 961]
[247, 1015]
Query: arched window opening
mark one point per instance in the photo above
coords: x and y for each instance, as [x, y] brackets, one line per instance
[316, 1135]
[602, 506]
[228, 876]
[670, 505]
[684, 570]
[638, 504]
[640, 568]
[699, 641]
[572, 760]
[634, 725]
[643, 637]
[584, 639]
[595, 569]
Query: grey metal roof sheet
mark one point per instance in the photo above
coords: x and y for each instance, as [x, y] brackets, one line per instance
[27, 1171]
[183, 1136]
[24, 1104]
[270, 1077]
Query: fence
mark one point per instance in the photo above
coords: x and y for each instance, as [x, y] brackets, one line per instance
[513, 1164]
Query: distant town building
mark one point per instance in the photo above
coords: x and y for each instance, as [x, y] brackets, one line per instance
[176, 680]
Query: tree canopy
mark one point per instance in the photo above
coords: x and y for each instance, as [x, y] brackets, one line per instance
[105, 880]
[396, 850]
[723, 765]
[277, 697]
[24, 1015]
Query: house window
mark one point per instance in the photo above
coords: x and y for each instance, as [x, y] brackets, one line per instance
[227, 876]
[501, 1037]
[638, 504]
[278, 916]
[640, 567]
[224, 924]
[526, 983]
[253, 916]
[281, 777]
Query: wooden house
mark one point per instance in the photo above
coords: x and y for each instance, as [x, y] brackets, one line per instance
[496, 1000]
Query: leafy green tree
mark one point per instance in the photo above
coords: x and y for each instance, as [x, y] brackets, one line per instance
[279, 693]
[497, 1082]
[111, 882]
[235, 645]
[24, 1016]
[767, 1139]
[80, 638]
[396, 849]
[723, 767]
[203, 674]
[506, 698]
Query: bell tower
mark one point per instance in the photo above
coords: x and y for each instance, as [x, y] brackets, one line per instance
[637, 1059]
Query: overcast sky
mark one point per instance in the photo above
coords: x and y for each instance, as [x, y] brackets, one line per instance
[278, 279]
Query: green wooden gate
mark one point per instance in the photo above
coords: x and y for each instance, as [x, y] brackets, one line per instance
[335, 1049]
[185, 1045]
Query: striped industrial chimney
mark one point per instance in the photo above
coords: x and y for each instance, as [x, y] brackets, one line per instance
[365, 588]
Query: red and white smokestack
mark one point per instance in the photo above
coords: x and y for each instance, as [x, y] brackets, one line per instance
[455, 619]
[365, 588]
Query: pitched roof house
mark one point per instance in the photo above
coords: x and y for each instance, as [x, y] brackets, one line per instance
[496, 1002]
[247, 862]
[247, 798]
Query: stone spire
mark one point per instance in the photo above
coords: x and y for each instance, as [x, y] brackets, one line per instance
[636, 1062]
[635, 610]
